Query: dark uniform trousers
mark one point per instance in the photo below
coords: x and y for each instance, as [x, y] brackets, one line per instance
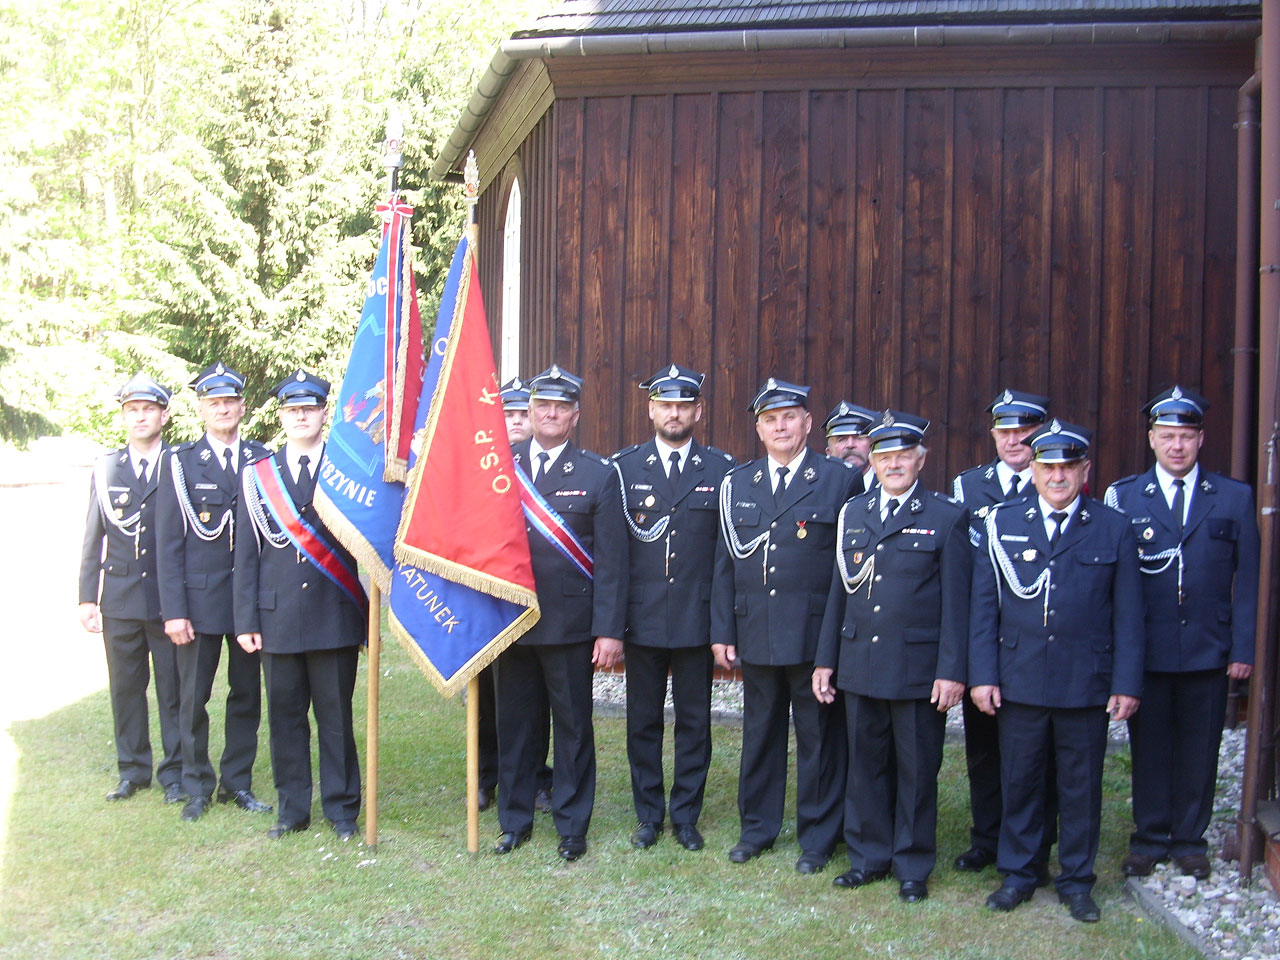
[1191, 637]
[669, 621]
[888, 641]
[1056, 661]
[978, 488]
[489, 735]
[550, 666]
[122, 581]
[771, 611]
[311, 634]
[195, 585]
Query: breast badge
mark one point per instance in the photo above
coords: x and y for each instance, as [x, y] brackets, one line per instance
[1029, 555]
[801, 532]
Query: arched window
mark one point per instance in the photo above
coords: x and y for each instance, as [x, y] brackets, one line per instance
[510, 363]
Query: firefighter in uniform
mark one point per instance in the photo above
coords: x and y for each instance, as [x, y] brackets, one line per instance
[846, 427]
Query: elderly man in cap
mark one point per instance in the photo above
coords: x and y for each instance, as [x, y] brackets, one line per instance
[1198, 546]
[1015, 415]
[846, 427]
[769, 591]
[298, 599]
[119, 595]
[669, 487]
[1055, 647]
[894, 640]
[196, 534]
[583, 613]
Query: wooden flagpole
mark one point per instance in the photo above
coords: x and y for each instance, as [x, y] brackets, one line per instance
[471, 194]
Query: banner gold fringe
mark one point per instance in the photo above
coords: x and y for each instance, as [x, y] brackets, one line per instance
[350, 537]
[450, 686]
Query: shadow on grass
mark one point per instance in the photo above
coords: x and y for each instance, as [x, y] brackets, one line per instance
[85, 878]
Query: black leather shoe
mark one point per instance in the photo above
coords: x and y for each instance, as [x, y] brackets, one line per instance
[1194, 865]
[1137, 865]
[173, 793]
[913, 891]
[744, 851]
[645, 835]
[126, 789]
[1008, 897]
[1081, 907]
[345, 829]
[1043, 877]
[542, 801]
[484, 798]
[858, 878]
[244, 799]
[975, 859]
[687, 836]
[194, 808]
[281, 828]
[509, 841]
[571, 848]
[812, 862]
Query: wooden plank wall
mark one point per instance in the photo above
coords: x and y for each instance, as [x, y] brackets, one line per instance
[906, 245]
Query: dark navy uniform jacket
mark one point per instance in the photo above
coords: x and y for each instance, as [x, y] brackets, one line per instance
[669, 596]
[907, 624]
[1214, 623]
[583, 489]
[195, 574]
[1082, 646]
[127, 568]
[770, 604]
[280, 593]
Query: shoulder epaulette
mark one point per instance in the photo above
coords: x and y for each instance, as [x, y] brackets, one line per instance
[627, 451]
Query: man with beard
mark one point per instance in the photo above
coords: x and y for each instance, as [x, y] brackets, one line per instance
[669, 487]
[894, 641]
[196, 534]
[846, 427]
[769, 591]
[124, 605]
[583, 605]
[1015, 415]
[1055, 648]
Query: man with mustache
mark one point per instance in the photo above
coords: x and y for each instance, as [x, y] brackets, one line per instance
[669, 487]
[846, 427]
[1055, 648]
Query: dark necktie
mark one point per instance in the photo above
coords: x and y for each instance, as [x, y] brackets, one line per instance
[227, 464]
[1179, 502]
[892, 508]
[1058, 517]
[674, 473]
[1013, 487]
[544, 459]
[780, 487]
[306, 483]
[142, 470]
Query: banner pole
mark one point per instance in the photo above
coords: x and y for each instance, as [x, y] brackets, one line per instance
[471, 195]
[371, 723]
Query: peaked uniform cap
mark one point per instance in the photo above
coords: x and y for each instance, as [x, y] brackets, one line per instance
[896, 430]
[1014, 408]
[1176, 407]
[302, 389]
[555, 384]
[1059, 442]
[515, 394]
[775, 393]
[218, 380]
[142, 386]
[849, 420]
[674, 383]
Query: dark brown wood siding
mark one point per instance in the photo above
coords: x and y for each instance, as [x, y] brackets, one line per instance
[913, 233]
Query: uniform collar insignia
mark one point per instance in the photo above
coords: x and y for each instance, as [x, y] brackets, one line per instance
[1206, 486]
[651, 458]
[991, 472]
[124, 457]
[516, 457]
[1149, 489]
[696, 458]
[205, 454]
[756, 478]
[568, 467]
[810, 473]
[871, 503]
[916, 505]
[1031, 513]
[1084, 515]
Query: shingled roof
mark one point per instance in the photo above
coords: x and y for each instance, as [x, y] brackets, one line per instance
[602, 17]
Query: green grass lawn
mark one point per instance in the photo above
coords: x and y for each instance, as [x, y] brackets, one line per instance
[86, 878]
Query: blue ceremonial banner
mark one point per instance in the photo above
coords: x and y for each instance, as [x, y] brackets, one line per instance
[443, 608]
[360, 485]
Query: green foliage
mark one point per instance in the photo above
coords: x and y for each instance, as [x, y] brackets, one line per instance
[182, 183]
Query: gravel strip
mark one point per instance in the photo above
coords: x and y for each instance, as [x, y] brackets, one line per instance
[1220, 916]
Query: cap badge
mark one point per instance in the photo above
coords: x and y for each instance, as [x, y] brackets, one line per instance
[1056, 426]
[673, 372]
[888, 420]
[771, 384]
[554, 372]
[517, 384]
[300, 377]
[1176, 394]
[1008, 397]
[219, 369]
[844, 408]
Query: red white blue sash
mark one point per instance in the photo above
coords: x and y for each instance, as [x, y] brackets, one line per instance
[552, 526]
[312, 542]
